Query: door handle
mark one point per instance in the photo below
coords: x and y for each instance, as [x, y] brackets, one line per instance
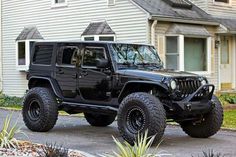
[60, 71]
[74, 76]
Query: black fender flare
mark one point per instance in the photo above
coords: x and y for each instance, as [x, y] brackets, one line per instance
[53, 84]
[127, 84]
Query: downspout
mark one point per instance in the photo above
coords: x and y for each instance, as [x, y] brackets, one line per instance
[153, 33]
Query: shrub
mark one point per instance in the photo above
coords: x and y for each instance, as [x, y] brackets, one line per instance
[140, 149]
[8, 101]
[53, 150]
[7, 134]
[227, 99]
[210, 153]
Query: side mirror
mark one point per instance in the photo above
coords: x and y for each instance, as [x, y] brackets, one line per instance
[102, 63]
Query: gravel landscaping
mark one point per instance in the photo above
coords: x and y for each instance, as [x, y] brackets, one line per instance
[32, 150]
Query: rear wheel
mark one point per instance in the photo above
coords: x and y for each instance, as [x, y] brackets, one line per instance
[40, 110]
[208, 126]
[139, 112]
[99, 120]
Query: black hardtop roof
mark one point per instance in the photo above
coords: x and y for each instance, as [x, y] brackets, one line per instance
[90, 42]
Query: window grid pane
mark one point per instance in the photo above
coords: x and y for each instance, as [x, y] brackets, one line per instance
[172, 55]
[21, 53]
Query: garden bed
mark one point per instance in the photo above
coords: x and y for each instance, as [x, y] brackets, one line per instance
[33, 150]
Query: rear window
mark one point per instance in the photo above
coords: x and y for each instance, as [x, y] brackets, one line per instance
[43, 54]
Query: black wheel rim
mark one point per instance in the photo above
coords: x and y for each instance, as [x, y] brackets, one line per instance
[34, 110]
[135, 120]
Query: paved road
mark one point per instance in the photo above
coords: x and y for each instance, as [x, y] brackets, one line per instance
[75, 133]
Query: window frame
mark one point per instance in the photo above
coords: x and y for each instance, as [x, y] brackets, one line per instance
[27, 54]
[95, 47]
[96, 37]
[58, 5]
[181, 52]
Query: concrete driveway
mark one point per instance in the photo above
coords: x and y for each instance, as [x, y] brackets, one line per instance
[75, 133]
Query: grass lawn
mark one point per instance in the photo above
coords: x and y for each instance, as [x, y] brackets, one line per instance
[230, 119]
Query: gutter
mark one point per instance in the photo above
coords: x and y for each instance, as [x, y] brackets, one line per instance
[153, 32]
[189, 21]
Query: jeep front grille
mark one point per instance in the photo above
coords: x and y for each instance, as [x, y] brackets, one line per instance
[187, 86]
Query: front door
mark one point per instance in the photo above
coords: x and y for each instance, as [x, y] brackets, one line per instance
[94, 83]
[66, 71]
[226, 70]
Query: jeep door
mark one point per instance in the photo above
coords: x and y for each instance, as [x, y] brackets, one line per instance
[94, 83]
[66, 71]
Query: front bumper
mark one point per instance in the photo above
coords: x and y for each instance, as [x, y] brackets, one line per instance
[199, 101]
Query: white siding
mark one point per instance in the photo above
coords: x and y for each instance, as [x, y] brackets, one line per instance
[217, 9]
[66, 23]
[0, 45]
[224, 11]
[200, 3]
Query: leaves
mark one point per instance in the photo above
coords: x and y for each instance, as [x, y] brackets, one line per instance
[140, 149]
[8, 133]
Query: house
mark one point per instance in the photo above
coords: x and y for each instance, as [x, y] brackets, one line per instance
[184, 34]
[0, 45]
[225, 13]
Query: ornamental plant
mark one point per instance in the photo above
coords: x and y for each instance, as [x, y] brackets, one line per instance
[8, 132]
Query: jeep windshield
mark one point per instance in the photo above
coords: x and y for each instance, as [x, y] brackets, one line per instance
[135, 56]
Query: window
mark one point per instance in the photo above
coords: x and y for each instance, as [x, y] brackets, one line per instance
[195, 55]
[99, 38]
[59, 3]
[222, 1]
[188, 53]
[111, 2]
[88, 38]
[172, 54]
[23, 51]
[224, 51]
[68, 55]
[91, 54]
[43, 54]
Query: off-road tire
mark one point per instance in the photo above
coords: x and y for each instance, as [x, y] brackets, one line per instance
[99, 120]
[153, 113]
[209, 126]
[47, 114]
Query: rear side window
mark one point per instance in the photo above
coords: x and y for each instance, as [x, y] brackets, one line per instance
[67, 55]
[43, 54]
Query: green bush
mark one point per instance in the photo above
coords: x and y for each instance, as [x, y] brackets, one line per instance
[8, 101]
[227, 99]
[140, 149]
[7, 134]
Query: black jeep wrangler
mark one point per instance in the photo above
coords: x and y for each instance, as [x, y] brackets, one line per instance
[105, 80]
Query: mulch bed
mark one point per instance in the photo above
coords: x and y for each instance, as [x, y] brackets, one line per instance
[230, 107]
[33, 150]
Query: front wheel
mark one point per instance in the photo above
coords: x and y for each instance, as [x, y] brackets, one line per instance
[210, 124]
[139, 112]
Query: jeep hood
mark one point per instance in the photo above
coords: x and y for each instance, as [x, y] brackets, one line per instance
[154, 74]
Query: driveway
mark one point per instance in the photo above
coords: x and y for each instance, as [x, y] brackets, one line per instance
[75, 133]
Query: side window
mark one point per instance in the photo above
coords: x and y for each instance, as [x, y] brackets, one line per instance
[67, 55]
[91, 54]
[43, 54]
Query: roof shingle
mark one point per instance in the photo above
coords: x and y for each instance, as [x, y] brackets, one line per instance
[98, 28]
[29, 33]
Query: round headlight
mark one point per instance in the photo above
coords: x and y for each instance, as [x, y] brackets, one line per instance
[203, 82]
[173, 84]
